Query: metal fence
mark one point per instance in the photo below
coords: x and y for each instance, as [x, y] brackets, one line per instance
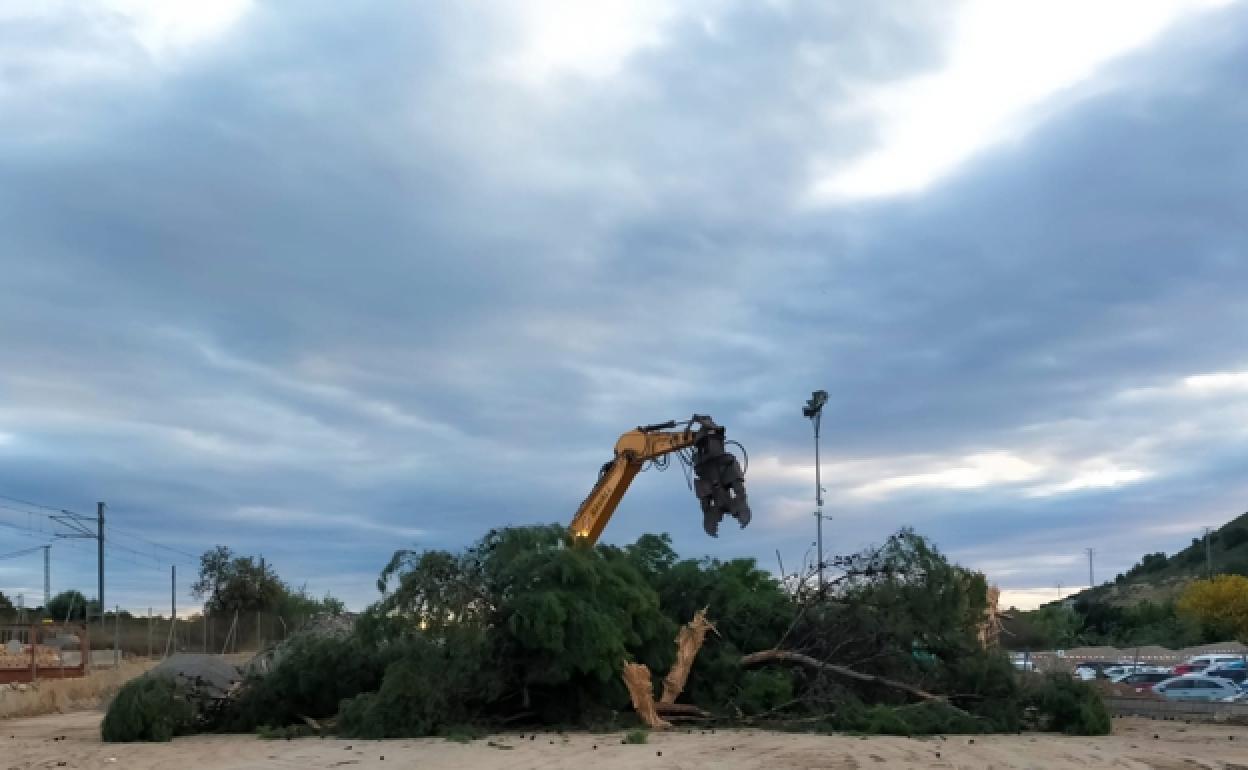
[151, 636]
[1064, 661]
[34, 651]
[1200, 711]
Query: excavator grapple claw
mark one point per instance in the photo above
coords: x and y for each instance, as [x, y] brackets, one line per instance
[719, 481]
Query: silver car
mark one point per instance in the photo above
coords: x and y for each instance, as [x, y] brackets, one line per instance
[1195, 687]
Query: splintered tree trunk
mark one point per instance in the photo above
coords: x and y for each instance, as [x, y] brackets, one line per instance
[637, 680]
[688, 643]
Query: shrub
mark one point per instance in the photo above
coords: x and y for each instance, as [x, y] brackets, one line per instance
[149, 708]
[637, 736]
[1069, 706]
[290, 732]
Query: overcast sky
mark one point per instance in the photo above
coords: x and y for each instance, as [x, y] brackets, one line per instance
[320, 280]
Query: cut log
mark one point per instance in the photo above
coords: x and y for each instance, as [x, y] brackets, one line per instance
[678, 710]
[785, 656]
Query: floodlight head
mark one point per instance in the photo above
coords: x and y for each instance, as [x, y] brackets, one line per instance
[814, 405]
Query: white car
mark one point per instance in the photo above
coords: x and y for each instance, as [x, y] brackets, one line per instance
[1126, 671]
[1196, 687]
[1114, 673]
[1094, 668]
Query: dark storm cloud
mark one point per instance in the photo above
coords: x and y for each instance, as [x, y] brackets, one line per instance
[333, 287]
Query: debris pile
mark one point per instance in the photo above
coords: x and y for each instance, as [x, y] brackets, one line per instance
[17, 655]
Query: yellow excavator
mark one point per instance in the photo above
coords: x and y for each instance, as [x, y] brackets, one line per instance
[699, 443]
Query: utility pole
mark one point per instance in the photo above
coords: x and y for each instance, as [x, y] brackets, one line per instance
[47, 576]
[99, 518]
[814, 412]
[79, 529]
[173, 608]
[1208, 554]
[1091, 576]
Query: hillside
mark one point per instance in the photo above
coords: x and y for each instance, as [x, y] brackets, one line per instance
[1158, 577]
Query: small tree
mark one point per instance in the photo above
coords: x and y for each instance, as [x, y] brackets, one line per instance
[5, 604]
[1220, 604]
[235, 583]
[67, 604]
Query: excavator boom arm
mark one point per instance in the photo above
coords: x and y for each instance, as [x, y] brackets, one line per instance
[720, 482]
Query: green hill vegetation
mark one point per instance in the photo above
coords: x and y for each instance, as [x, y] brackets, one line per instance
[1138, 607]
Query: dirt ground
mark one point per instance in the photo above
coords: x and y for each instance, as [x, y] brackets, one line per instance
[61, 695]
[72, 741]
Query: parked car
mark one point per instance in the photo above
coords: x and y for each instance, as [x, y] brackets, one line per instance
[1095, 669]
[1144, 680]
[1196, 687]
[1199, 663]
[1236, 675]
[1190, 667]
[1118, 673]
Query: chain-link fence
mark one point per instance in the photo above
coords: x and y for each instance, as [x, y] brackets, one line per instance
[123, 634]
[128, 634]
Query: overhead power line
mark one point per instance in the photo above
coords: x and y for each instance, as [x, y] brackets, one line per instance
[23, 552]
[20, 501]
[153, 543]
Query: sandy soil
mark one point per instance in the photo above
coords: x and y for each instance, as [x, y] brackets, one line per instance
[73, 739]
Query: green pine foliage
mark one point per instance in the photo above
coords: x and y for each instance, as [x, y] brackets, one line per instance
[432, 689]
[525, 620]
[314, 675]
[762, 692]
[927, 718]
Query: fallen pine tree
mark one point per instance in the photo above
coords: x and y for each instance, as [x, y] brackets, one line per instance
[526, 627]
[784, 656]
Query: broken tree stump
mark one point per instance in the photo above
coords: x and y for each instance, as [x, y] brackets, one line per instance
[640, 690]
[688, 643]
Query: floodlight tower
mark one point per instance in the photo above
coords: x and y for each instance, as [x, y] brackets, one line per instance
[814, 412]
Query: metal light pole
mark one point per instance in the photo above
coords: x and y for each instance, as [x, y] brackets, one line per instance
[814, 411]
